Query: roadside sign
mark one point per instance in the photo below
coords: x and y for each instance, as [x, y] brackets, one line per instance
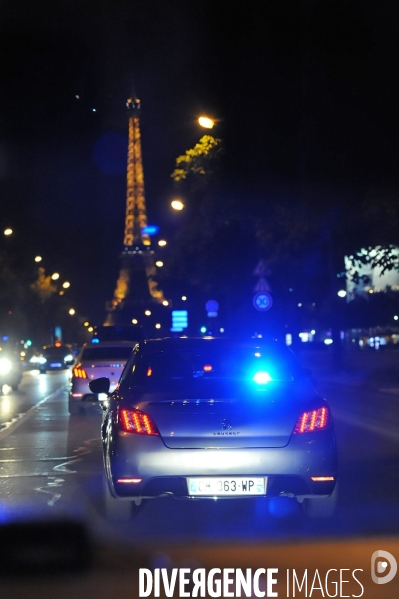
[179, 320]
[262, 301]
[262, 285]
[211, 306]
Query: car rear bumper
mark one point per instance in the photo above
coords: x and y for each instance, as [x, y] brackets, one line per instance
[289, 469]
[80, 390]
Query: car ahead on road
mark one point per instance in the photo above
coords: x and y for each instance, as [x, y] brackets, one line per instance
[55, 357]
[215, 418]
[103, 359]
[11, 369]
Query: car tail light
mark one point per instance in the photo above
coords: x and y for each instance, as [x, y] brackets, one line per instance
[133, 481]
[312, 421]
[79, 373]
[134, 421]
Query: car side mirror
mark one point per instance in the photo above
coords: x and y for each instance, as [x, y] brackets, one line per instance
[100, 385]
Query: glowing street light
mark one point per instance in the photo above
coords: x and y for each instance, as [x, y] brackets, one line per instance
[159, 263]
[206, 122]
[183, 298]
[55, 276]
[162, 242]
[72, 311]
[147, 312]
[38, 258]
[90, 329]
[157, 326]
[177, 205]
[8, 232]
[135, 321]
[66, 285]
[165, 303]
[341, 293]
[86, 324]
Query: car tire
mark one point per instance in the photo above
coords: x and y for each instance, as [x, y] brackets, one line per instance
[324, 507]
[116, 510]
[74, 407]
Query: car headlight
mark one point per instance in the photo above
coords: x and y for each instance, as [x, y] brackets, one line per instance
[5, 366]
[41, 360]
[69, 358]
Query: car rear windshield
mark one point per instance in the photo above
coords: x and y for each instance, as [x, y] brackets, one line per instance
[244, 365]
[106, 353]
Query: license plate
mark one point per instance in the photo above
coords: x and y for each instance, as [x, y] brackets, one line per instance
[220, 487]
[55, 365]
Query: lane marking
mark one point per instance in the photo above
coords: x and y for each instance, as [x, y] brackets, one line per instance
[52, 482]
[12, 426]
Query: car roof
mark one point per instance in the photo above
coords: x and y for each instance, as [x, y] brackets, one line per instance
[199, 343]
[109, 344]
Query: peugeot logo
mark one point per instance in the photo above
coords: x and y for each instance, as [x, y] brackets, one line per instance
[226, 429]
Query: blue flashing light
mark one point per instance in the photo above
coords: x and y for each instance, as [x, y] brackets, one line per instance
[150, 230]
[28, 343]
[95, 340]
[5, 337]
[262, 377]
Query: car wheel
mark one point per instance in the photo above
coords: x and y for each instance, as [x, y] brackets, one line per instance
[117, 510]
[324, 507]
[74, 407]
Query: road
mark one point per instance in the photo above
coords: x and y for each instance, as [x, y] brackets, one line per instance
[51, 464]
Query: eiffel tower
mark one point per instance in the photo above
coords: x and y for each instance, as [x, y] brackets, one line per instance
[136, 289]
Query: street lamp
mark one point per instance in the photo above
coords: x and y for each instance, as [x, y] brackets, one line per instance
[177, 205]
[162, 242]
[38, 258]
[159, 263]
[206, 122]
[66, 285]
[55, 276]
[72, 311]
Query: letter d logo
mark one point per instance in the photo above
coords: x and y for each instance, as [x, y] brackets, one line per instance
[382, 566]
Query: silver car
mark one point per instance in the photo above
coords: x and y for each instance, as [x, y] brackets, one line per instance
[215, 418]
[105, 359]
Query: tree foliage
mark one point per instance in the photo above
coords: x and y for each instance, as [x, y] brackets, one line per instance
[198, 164]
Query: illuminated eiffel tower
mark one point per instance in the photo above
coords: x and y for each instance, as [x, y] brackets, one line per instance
[136, 288]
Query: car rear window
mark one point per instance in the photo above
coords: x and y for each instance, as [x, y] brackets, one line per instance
[106, 353]
[243, 365]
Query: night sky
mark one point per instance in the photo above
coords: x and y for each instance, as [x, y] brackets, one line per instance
[305, 93]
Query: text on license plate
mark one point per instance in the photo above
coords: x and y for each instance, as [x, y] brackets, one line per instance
[226, 486]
